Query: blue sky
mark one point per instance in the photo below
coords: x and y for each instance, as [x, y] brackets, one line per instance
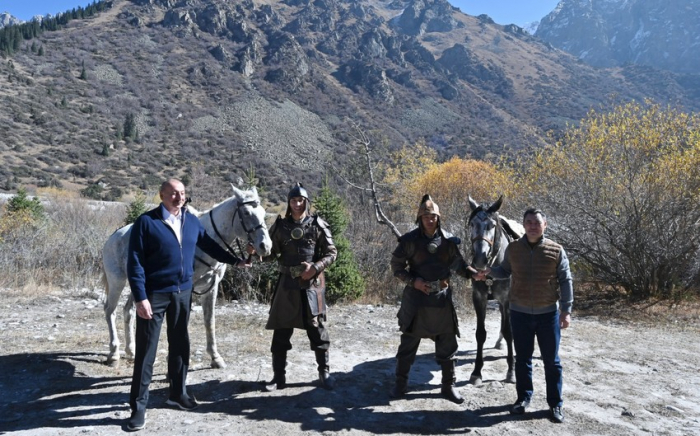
[518, 12]
[502, 11]
[26, 9]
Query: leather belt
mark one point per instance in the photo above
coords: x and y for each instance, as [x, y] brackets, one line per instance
[439, 285]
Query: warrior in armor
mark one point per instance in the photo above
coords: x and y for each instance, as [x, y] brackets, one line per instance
[425, 259]
[303, 247]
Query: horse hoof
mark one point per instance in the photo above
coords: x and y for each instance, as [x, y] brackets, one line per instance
[510, 378]
[218, 363]
[475, 380]
[112, 362]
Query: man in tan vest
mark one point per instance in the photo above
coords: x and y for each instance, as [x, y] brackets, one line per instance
[541, 298]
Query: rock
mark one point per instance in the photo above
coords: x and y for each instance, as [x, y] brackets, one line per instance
[643, 32]
[422, 16]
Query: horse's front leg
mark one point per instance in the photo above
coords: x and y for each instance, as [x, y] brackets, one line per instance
[507, 334]
[208, 305]
[479, 299]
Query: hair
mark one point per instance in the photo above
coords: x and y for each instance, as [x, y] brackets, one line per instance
[167, 183]
[534, 211]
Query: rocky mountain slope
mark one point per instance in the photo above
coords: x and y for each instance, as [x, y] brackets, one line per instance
[6, 19]
[152, 88]
[609, 33]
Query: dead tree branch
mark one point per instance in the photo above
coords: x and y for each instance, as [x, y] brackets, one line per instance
[361, 138]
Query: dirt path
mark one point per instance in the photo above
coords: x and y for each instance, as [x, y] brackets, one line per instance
[620, 379]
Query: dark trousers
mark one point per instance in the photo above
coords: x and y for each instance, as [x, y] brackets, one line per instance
[545, 327]
[445, 348]
[175, 307]
[318, 333]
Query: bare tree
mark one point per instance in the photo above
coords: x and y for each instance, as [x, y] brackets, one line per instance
[360, 138]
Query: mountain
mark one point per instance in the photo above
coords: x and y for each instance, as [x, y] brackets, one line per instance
[610, 33]
[208, 90]
[6, 20]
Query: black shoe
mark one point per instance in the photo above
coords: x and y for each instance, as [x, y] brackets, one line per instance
[557, 414]
[327, 381]
[137, 421]
[277, 383]
[184, 402]
[449, 392]
[520, 407]
[400, 388]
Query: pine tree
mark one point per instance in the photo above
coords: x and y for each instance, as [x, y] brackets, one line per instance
[130, 130]
[343, 279]
[22, 203]
[136, 208]
[83, 74]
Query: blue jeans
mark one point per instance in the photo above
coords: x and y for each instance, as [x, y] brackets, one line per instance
[545, 327]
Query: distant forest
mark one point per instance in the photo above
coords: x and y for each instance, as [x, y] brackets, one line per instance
[11, 36]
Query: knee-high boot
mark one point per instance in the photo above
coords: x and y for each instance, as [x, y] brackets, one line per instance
[279, 380]
[324, 371]
[403, 367]
[448, 382]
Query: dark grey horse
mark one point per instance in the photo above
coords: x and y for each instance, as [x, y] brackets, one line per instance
[490, 235]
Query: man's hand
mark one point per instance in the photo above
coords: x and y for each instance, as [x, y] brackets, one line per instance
[247, 263]
[421, 285]
[481, 275]
[143, 309]
[564, 320]
[309, 272]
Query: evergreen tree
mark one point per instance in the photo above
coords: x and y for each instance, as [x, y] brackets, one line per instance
[130, 130]
[22, 203]
[83, 74]
[343, 279]
[136, 208]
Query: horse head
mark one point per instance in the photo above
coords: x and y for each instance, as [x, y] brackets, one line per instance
[249, 220]
[485, 232]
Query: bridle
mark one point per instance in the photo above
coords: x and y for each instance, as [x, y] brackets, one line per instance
[249, 233]
[494, 245]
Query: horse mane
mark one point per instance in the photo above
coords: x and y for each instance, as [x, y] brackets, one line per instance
[481, 208]
[513, 228]
[248, 195]
[193, 211]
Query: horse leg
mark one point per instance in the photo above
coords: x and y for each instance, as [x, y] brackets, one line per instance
[113, 289]
[208, 304]
[507, 333]
[499, 343]
[479, 300]
[130, 328]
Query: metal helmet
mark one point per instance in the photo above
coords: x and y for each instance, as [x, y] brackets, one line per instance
[427, 207]
[298, 190]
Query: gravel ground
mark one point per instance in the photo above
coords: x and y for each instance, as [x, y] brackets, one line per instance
[621, 378]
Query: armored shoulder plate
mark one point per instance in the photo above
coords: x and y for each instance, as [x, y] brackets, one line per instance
[449, 236]
[321, 222]
[410, 236]
[408, 240]
[275, 226]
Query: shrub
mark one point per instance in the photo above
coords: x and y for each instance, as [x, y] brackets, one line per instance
[343, 278]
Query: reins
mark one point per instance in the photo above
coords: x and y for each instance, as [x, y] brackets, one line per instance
[228, 247]
[495, 244]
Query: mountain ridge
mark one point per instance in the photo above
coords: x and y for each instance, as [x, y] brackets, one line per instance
[220, 88]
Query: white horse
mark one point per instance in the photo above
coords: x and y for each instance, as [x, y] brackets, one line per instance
[239, 216]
